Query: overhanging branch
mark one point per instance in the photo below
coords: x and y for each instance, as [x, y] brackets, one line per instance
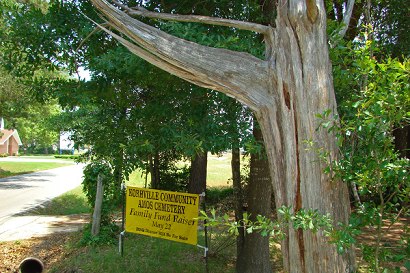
[147, 56]
[236, 74]
[140, 11]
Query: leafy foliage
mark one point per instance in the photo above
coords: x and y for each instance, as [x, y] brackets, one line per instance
[91, 173]
[374, 95]
[302, 219]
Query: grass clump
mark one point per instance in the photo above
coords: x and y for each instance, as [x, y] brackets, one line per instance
[4, 173]
[107, 235]
[142, 254]
[216, 195]
[71, 202]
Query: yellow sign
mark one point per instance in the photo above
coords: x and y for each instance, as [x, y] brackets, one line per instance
[163, 214]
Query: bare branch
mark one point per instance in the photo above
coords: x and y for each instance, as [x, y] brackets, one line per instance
[147, 56]
[346, 18]
[97, 29]
[140, 11]
[236, 74]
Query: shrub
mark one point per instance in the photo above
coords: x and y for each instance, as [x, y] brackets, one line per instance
[174, 178]
[67, 156]
[107, 236]
[217, 195]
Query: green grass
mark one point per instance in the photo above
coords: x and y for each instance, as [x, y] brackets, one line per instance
[144, 254]
[219, 172]
[67, 156]
[137, 179]
[71, 202]
[37, 156]
[16, 168]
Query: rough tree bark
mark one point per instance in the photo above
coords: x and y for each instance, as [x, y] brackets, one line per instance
[254, 255]
[239, 202]
[402, 141]
[199, 162]
[285, 90]
[197, 175]
[155, 170]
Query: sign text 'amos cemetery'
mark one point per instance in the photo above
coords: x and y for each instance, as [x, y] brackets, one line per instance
[162, 214]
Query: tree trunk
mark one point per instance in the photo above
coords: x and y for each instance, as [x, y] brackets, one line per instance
[155, 171]
[402, 141]
[118, 175]
[304, 89]
[286, 91]
[197, 177]
[239, 203]
[254, 256]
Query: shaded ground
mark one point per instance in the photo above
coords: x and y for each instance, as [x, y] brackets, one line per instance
[33, 226]
[43, 237]
[391, 240]
[50, 249]
[54, 247]
[23, 192]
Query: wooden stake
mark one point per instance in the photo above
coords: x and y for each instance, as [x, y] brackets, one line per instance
[95, 229]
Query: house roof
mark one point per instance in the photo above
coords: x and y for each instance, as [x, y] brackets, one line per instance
[6, 134]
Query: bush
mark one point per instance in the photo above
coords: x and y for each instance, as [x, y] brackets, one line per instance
[91, 172]
[174, 178]
[111, 199]
[4, 155]
[66, 152]
[108, 235]
[67, 156]
[218, 194]
[111, 195]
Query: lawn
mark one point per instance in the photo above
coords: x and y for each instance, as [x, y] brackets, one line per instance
[144, 254]
[16, 168]
[218, 172]
[71, 202]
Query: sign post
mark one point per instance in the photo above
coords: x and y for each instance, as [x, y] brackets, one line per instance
[162, 214]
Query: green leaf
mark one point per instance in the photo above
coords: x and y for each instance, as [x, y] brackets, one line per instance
[407, 264]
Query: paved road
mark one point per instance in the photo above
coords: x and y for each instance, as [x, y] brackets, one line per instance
[23, 192]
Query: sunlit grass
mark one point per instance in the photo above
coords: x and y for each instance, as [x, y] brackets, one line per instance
[71, 202]
[137, 179]
[219, 172]
[16, 168]
[144, 254]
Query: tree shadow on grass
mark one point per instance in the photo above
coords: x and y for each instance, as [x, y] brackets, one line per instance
[4, 173]
[66, 204]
